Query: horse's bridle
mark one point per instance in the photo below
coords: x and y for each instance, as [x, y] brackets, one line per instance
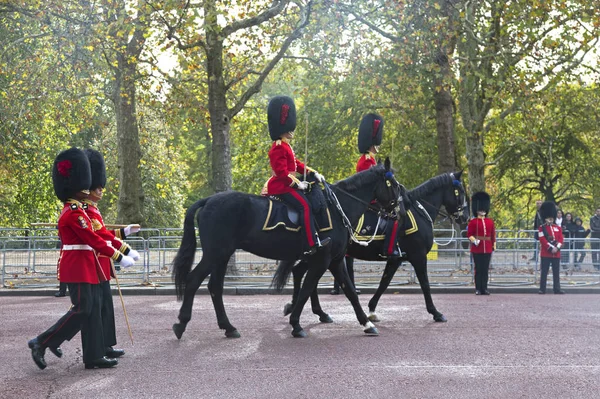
[390, 182]
[460, 207]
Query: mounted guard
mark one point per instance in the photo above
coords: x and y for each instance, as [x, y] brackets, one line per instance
[283, 183]
[370, 135]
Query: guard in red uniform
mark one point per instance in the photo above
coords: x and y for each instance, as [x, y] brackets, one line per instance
[482, 234]
[551, 241]
[90, 205]
[77, 266]
[370, 135]
[284, 183]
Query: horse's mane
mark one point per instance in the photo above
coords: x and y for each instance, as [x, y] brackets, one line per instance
[357, 180]
[430, 185]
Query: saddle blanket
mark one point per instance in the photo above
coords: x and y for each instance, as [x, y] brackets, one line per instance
[281, 215]
[368, 223]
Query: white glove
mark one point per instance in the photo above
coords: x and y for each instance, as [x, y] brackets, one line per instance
[302, 185]
[127, 261]
[319, 177]
[131, 229]
[476, 242]
[134, 254]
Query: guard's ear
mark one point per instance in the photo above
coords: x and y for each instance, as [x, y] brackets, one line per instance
[387, 164]
[458, 175]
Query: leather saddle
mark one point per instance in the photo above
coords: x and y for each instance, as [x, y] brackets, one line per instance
[280, 215]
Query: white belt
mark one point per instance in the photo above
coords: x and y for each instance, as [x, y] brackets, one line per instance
[77, 247]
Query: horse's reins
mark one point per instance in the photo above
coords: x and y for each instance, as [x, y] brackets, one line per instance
[333, 198]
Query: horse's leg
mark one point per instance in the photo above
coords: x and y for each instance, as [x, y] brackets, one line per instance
[194, 280]
[215, 288]
[316, 268]
[316, 308]
[391, 267]
[338, 269]
[297, 273]
[420, 267]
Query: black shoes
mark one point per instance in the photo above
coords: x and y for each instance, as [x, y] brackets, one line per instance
[561, 292]
[477, 292]
[324, 242]
[114, 353]
[486, 292]
[37, 353]
[60, 294]
[102, 363]
[334, 292]
[541, 292]
[357, 291]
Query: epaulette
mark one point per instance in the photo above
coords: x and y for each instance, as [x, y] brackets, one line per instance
[73, 206]
[84, 206]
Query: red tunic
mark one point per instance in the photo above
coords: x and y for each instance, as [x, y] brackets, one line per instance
[108, 235]
[78, 262]
[284, 165]
[365, 162]
[554, 234]
[482, 229]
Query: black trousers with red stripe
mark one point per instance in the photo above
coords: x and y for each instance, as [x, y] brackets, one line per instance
[482, 267]
[108, 315]
[390, 244]
[298, 201]
[84, 315]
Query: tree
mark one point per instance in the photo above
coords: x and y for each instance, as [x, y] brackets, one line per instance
[549, 150]
[424, 34]
[509, 51]
[235, 58]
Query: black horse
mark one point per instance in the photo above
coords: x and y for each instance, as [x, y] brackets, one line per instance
[232, 220]
[425, 202]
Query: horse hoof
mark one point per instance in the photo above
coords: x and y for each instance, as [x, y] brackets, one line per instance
[287, 309]
[370, 329]
[373, 317]
[299, 333]
[440, 318]
[325, 319]
[178, 329]
[232, 334]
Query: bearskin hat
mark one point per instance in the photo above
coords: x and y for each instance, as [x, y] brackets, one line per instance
[97, 167]
[370, 132]
[71, 173]
[480, 201]
[281, 115]
[548, 210]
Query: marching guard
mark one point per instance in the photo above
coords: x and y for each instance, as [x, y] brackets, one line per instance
[281, 115]
[112, 237]
[78, 267]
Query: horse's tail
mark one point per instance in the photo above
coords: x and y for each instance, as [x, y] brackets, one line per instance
[182, 264]
[282, 274]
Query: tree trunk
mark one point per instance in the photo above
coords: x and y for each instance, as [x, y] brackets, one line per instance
[444, 114]
[131, 195]
[476, 161]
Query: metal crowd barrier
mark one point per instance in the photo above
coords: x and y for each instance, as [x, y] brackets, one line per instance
[28, 258]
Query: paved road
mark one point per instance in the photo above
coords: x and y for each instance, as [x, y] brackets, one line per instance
[501, 346]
